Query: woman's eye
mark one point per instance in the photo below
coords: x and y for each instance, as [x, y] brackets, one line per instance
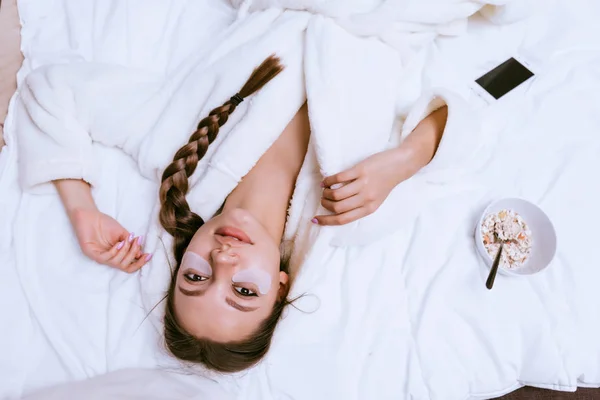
[195, 278]
[245, 291]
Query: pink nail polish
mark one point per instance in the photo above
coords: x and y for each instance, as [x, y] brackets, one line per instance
[148, 257]
[120, 245]
[322, 184]
[140, 240]
[131, 236]
[314, 221]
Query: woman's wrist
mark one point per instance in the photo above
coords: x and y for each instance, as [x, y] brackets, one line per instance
[76, 195]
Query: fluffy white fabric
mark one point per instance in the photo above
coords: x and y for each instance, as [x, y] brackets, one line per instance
[135, 384]
[400, 309]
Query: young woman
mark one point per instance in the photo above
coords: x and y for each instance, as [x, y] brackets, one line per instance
[230, 281]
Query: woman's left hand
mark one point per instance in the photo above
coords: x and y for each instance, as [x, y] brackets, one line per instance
[360, 190]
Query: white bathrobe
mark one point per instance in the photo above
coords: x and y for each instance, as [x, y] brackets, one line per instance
[358, 64]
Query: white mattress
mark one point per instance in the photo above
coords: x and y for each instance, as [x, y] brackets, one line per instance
[463, 342]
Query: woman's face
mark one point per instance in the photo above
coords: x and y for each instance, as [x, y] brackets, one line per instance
[229, 278]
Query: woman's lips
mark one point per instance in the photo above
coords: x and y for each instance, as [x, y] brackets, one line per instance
[230, 231]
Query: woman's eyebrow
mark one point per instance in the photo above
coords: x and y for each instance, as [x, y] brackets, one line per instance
[239, 306]
[191, 292]
[227, 299]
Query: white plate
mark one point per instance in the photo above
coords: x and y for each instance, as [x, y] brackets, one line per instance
[543, 236]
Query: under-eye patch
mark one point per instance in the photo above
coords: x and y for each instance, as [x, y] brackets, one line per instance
[196, 262]
[259, 278]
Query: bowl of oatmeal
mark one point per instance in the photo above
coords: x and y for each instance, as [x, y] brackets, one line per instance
[526, 231]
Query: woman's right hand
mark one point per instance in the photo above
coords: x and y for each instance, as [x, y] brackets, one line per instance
[105, 241]
[100, 236]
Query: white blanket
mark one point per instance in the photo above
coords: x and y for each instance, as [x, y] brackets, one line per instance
[136, 384]
[416, 323]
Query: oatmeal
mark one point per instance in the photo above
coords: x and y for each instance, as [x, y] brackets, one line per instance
[509, 227]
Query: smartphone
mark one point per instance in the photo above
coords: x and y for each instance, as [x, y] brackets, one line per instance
[501, 80]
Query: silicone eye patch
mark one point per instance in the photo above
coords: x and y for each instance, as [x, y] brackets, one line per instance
[259, 278]
[194, 261]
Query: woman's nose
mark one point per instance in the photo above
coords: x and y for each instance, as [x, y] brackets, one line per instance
[224, 255]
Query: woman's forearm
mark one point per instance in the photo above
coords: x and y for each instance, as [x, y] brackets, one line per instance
[417, 150]
[424, 140]
[75, 194]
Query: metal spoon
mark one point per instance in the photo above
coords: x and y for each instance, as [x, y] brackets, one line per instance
[492, 276]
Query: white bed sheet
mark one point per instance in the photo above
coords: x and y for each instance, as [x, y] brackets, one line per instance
[464, 342]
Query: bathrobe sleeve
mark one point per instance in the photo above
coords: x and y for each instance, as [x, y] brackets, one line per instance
[66, 109]
[431, 82]
[461, 144]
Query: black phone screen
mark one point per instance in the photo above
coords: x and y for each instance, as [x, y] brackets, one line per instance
[504, 78]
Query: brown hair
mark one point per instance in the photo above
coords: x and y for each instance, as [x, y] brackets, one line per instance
[182, 223]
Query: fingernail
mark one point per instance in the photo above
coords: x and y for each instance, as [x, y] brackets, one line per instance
[148, 257]
[322, 184]
[314, 221]
[120, 245]
[140, 240]
[131, 236]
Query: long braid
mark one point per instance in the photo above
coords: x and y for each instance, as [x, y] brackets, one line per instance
[175, 214]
